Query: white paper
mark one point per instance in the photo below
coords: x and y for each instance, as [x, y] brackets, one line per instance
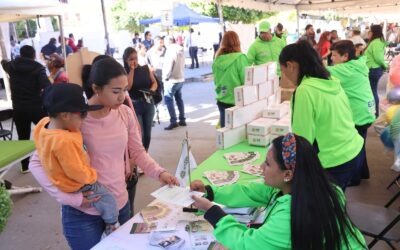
[176, 195]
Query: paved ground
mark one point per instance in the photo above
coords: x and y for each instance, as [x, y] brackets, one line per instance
[35, 222]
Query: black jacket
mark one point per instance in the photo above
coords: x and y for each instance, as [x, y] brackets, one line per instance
[27, 80]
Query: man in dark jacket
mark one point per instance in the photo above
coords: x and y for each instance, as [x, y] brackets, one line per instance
[27, 80]
[49, 48]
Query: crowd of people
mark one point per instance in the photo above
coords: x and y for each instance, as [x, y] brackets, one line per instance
[306, 172]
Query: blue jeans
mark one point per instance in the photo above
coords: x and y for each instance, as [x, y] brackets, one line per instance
[374, 76]
[107, 206]
[145, 115]
[174, 90]
[343, 173]
[83, 231]
[221, 108]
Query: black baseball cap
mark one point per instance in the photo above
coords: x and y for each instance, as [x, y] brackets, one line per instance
[66, 97]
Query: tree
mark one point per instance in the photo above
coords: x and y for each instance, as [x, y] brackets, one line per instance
[123, 19]
[232, 14]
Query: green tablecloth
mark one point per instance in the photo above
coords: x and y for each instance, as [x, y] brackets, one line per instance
[217, 162]
[13, 150]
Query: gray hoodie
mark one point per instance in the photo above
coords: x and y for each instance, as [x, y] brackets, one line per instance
[174, 64]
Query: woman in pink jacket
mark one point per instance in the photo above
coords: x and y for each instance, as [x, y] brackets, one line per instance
[110, 136]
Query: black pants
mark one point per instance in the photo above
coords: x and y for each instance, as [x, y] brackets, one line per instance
[221, 107]
[193, 56]
[363, 172]
[131, 188]
[23, 119]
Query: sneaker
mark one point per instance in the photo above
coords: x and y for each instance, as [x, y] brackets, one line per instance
[183, 124]
[171, 126]
[24, 170]
[109, 229]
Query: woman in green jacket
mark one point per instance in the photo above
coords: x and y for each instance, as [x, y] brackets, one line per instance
[375, 53]
[304, 210]
[228, 69]
[321, 112]
[353, 75]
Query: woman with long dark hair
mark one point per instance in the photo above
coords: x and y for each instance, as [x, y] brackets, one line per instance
[321, 112]
[324, 45]
[305, 210]
[375, 53]
[228, 69]
[140, 79]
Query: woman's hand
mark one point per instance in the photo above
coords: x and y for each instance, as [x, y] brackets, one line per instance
[133, 65]
[86, 202]
[197, 185]
[202, 203]
[167, 178]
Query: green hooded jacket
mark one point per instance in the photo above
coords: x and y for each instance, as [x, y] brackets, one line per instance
[275, 233]
[261, 52]
[375, 53]
[353, 76]
[321, 112]
[228, 73]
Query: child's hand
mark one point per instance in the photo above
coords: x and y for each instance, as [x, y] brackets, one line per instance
[87, 202]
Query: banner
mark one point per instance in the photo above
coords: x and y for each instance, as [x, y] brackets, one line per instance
[186, 160]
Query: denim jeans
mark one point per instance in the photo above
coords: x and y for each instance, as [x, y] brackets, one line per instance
[374, 76]
[107, 206]
[145, 114]
[386, 138]
[83, 231]
[221, 108]
[193, 55]
[343, 173]
[171, 91]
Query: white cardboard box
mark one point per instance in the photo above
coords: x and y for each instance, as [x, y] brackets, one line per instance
[276, 111]
[259, 140]
[239, 116]
[261, 126]
[262, 91]
[281, 127]
[248, 75]
[272, 70]
[278, 96]
[229, 137]
[271, 100]
[245, 95]
[260, 73]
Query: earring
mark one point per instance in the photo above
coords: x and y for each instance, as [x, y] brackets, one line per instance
[286, 180]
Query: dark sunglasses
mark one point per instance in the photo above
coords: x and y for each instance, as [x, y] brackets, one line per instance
[83, 114]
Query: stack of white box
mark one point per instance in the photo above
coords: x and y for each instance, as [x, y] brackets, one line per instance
[260, 91]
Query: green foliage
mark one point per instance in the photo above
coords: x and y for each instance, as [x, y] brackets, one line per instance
[54, 23]
[123, 19]
[5, 207]
[22, 26]
[231, 14]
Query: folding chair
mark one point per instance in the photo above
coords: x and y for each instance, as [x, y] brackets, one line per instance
[4, 116]
[13, 152]
[380, 223]
[397, 195]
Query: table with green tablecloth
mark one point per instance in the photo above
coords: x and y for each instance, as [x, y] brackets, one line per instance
[217, 162]
[13, 151]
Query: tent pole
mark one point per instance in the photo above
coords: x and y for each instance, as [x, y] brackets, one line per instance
[105, 28]
[385, 29]
[298, 21]
[3, 56]
[62, 41]
[220, 14]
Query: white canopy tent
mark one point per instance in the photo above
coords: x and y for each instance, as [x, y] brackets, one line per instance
[15, 10]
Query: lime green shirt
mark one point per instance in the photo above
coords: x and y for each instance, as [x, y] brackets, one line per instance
[353, 76]
[375, 54]
[322, 113]
[228, 73]
[275, 233]
[261, 52]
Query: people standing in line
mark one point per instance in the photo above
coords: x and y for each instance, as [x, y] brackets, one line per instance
[148, 42]
[228, 70]
[141, 78]
[324, 45]
[49, 49]
[321, 112]
[155, 56]
[136, 40]
[375, 53]
[67, 47]
[192, 44]
[266, 47]
[113, 142]
[173, 77]
[296, 191]
[27, 80]
[353, 75]
[55, 65]
[279, 33]
[71, 42]
[309, 36]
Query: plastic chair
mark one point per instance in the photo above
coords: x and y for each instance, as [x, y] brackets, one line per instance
[4, 116]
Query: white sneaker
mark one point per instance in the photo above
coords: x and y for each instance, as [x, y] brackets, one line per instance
[109, 229]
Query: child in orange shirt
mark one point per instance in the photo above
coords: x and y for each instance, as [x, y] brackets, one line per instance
[61, 150]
